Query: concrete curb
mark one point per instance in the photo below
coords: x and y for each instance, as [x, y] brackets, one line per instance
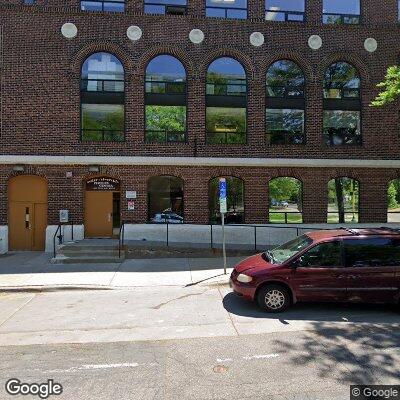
[52, 288]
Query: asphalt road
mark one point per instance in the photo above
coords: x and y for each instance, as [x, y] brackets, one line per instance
[297, 365]
[197, 343]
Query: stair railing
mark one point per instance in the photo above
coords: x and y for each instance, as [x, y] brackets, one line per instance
[121, 238]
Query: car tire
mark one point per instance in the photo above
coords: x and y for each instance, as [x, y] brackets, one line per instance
[273, 298]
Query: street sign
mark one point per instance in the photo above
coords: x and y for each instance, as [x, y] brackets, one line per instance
[222, 196]
[223, 209]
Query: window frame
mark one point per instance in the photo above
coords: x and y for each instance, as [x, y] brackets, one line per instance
[234, 101]
[344, 104]
[165, 94]
[342, 16]
[322, 267]
[123, 95]
[102, 2]
[165, 5]
[226, 9]
[286, 13]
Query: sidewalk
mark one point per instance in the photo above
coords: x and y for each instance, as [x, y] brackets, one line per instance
[33, 270]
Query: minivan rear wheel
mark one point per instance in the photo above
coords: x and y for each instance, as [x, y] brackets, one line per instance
[273, 298]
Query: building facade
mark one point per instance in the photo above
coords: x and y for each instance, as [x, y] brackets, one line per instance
[127, 110]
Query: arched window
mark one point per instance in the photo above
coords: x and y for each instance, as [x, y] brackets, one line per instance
[229, 9]
[285, 103]
[284, 10]
[165, 199]
[235, 200]
[165, 100]
[393, 196]
[343, 195]
[342, 105]
[285, 200]
[165, 7]
[226, 102]
[102, 99]
[341, 12]
[103, 5]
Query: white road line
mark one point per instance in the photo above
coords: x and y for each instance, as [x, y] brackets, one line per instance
[260, 356]
[93, 367]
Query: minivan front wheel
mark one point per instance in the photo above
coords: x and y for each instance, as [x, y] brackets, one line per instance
[273, 298]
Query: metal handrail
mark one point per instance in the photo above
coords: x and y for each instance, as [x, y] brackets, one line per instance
[59, 239]
[121, 238]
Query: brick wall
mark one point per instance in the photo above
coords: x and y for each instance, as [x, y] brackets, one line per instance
[41, 74]
[69, 193]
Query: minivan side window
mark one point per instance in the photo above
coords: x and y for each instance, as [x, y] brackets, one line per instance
[371, 252]
[323, 255]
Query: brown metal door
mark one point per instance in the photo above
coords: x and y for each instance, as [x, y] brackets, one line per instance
[27, 198]
[98, 214]
[21, 233]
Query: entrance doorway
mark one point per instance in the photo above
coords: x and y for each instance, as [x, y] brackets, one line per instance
[27, 213]
[102, 207]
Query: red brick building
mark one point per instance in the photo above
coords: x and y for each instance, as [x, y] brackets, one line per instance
[69, 112]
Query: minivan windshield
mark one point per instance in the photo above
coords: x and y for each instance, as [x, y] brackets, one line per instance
[282, 253]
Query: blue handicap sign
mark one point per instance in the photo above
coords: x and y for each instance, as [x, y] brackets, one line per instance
[222, 189]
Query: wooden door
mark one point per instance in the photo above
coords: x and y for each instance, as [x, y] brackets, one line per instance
[21, 226]
[98, 214]
[27, 196]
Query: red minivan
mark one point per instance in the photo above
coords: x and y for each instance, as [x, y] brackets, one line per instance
[342, 265]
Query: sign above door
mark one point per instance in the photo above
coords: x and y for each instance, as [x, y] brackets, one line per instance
[103, 183]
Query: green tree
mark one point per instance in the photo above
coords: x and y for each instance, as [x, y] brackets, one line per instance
[390, 87]
[392, 195]
[285, 189]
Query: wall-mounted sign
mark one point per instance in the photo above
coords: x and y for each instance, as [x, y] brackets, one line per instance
[130, 194]
[131, 205]
[103, 183]
[64, 216]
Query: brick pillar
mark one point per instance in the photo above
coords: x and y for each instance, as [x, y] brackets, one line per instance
[196, 8]
[133, 6]
[195, 113]
[314, 11]
[256, 9]
[256, 199]
[373, 200]
[315, 199]
[196, 207]
[256, 114]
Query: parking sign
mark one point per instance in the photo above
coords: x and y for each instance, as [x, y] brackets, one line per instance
[222, 196]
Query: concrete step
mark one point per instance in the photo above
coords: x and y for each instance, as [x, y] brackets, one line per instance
[93, 259]
[89, 252]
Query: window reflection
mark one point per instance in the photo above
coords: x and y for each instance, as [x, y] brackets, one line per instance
[229, 9]
[342, 127]
[284, 10]
[285, 126]
[341, 12]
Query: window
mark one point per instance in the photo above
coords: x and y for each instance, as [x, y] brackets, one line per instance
[229, 9]
[393, 196]
[343, 199]
[165, 100]
[102, 99]
[288, 250]
[226, 102]
[342, 105]
[235, 202]
[284, 10]
[285, 103]
[323, 255]
[371, 252]
[341, 12]
[170, 7]
[285, 200]
[165, 199]
[103, 5]
[29, 2]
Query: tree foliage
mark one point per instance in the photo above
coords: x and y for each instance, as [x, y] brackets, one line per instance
[390, 87]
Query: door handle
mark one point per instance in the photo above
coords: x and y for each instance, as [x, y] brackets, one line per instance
[109, 217]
